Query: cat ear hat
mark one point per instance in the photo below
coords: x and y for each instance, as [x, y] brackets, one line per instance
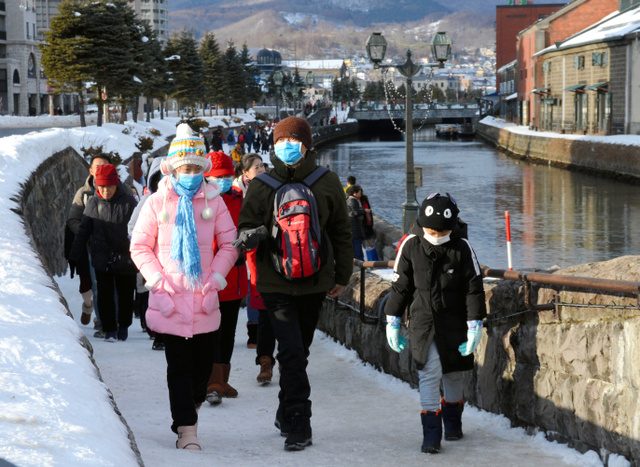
[438, 212]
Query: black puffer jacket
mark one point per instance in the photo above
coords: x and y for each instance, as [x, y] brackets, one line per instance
[443, 284]
[104, 226]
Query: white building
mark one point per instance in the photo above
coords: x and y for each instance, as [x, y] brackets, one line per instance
[156, 13]
[23, 89]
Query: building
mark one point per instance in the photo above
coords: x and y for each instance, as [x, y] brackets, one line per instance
[510, 20]
[23, 89]
[156, 13]
[589, 78]
[572, 18]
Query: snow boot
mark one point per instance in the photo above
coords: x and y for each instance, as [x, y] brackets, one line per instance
[158, 344]
[215, 385]
[266, 370]
[252, 331]
[299, 419]
[227, 389]
[431, 431]
[452, 419]
[87, 307]
[188, 438]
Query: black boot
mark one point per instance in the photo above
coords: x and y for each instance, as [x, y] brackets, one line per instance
[298, 418]
[431, 431]
[452, 419]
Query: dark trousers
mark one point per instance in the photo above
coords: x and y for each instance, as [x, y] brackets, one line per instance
[227, 331]
[111, 286]
[357, 248]
[266, 339]
[189, 364]
[294, 320]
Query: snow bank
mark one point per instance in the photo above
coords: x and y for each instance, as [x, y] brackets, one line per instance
[54, 410]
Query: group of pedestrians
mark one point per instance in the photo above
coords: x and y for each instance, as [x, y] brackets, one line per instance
[207, 235]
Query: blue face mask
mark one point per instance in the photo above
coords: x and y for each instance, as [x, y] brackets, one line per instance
[223, 183]
[190, 181]
[288, 152]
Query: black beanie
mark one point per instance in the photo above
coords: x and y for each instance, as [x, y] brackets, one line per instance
[438, 212]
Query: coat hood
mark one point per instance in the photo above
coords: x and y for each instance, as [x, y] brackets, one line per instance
[154, 175]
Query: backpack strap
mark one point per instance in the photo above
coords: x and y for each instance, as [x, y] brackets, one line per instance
[269, 181]
[314, 176]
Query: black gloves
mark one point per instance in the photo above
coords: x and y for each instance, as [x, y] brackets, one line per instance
[249, 239]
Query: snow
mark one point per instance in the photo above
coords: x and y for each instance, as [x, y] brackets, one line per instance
[614, 26]
[331, 64]
[625, 140]
[55, 411]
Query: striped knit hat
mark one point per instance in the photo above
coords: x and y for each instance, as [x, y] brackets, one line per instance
[186, 148]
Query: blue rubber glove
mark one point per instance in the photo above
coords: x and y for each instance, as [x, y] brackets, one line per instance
[474, 333]
[396, 341]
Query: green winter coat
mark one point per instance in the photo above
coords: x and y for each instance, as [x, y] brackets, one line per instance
[257, 210]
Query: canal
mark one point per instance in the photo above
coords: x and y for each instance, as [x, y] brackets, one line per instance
[558, 217]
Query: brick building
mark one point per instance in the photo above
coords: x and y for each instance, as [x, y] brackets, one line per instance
[558, 26]
[588, 78]
[510, 20]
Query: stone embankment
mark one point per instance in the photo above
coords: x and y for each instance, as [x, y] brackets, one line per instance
[573, 374]
[588, 153]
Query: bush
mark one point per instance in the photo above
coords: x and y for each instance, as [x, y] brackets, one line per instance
[126, 130]
[196, 124]
[144, 144]
[154, 132]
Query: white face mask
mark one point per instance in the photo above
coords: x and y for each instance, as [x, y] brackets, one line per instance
[437, 240]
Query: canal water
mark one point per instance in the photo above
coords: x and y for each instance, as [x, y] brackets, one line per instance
[558, 217]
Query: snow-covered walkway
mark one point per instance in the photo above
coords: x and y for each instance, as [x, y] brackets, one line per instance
[360, 416]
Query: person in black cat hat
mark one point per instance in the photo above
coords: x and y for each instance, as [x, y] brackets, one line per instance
[446, 314]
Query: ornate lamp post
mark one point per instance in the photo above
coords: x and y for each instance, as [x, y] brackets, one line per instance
[278, 77]
[441, 50]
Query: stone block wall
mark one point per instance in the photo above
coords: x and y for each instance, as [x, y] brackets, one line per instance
[574, 374]
[44, 205]
[612, 159]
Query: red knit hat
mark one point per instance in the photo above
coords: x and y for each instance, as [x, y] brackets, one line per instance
[221, 165]
[106, 175]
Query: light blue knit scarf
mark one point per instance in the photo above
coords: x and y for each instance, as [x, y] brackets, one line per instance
[184, 242]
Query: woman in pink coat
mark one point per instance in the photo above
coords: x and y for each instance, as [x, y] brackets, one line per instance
[171, 246]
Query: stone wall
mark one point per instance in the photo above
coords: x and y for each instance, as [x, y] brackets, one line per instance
[44, 205]
[327, 134]
[573, 374]
[611, 159]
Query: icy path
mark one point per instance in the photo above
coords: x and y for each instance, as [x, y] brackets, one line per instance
[360, 416]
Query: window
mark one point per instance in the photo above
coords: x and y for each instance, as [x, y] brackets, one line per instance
[16, 77]
[33, 28]
[578, 61]
[31, 67]
[599, 59]
[28, 31]
[546, 67]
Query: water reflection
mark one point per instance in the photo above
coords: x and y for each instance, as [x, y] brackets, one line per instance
[559, 217]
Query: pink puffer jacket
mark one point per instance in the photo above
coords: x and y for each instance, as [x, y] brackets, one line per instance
[173, 307]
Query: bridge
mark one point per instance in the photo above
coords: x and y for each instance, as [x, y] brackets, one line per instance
[432, 113]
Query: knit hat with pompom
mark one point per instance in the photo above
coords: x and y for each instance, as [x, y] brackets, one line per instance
[186, 148]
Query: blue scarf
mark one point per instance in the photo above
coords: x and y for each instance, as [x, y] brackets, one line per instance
[184, 242]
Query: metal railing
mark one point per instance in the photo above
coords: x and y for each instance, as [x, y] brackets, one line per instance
[556, 282]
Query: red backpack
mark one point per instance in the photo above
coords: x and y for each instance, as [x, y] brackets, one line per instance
[296, 238]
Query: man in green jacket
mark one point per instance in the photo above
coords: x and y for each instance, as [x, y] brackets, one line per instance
[294, 306]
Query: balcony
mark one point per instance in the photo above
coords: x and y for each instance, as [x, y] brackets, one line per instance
[3, 35]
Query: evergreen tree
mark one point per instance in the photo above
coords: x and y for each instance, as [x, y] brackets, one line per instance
[212, 68]
[234, 77]
[186, 69]
[64, 43]
[252, 90]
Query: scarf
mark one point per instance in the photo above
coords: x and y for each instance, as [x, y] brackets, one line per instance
[184, 242]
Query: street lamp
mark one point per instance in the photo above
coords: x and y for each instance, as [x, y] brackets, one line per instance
[441, 50]
[278, 77]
